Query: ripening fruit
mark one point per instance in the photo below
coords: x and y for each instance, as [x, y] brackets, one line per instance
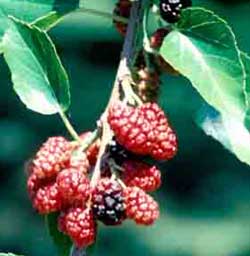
[143, 130]
[122, 9]
[156, 41]
[140, 207]
[79, 224]
[73, 185]
[108, 202]
[170, 9]
[147, 85]
[157, 38]
[141, 175]
[79, 161]
[47, 199]
[117, 152]
[51, 158]
[34, 183]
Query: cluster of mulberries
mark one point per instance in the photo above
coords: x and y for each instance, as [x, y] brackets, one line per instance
[58, 182]
[59, 174]
[138, 132]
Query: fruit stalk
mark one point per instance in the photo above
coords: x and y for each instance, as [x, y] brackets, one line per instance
[78, 252]
[123, 73]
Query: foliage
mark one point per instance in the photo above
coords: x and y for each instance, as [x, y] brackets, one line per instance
[201, 46]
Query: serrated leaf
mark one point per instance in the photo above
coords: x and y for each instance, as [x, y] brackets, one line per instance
[37, 73]
[203, 48]
[61, 241]
[231, 133]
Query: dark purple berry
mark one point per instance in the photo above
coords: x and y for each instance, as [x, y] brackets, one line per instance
[170, 9]
[108, 202]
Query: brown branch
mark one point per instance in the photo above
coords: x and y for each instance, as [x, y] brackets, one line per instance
[124, 72]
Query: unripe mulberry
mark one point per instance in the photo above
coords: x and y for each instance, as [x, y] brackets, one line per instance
[79, 224]
[156, 41]
[122, 9]
[147, 85]
[140, 207]
[143, 130]
[34, 183]
[157, 38]
[164, 141]
[47, 199]
[108, 202]
[139, 174]
[79, 161]
[51, 158]
[73, 185]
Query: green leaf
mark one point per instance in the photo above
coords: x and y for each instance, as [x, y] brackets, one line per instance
[48, 21]
[61, 241]
[29, 11]
[4, 23]
[246, 61]
[38, 76]
[231, 133]
[203, 48]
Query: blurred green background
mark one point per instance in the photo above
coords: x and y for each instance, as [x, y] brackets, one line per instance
[205, 197]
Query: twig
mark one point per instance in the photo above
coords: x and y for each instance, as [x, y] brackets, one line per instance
[127, 56]
[78, 252]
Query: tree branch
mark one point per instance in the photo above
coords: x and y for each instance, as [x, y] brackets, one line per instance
[124, 72]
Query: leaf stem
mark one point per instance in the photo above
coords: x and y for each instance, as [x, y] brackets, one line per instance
[69, 126]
